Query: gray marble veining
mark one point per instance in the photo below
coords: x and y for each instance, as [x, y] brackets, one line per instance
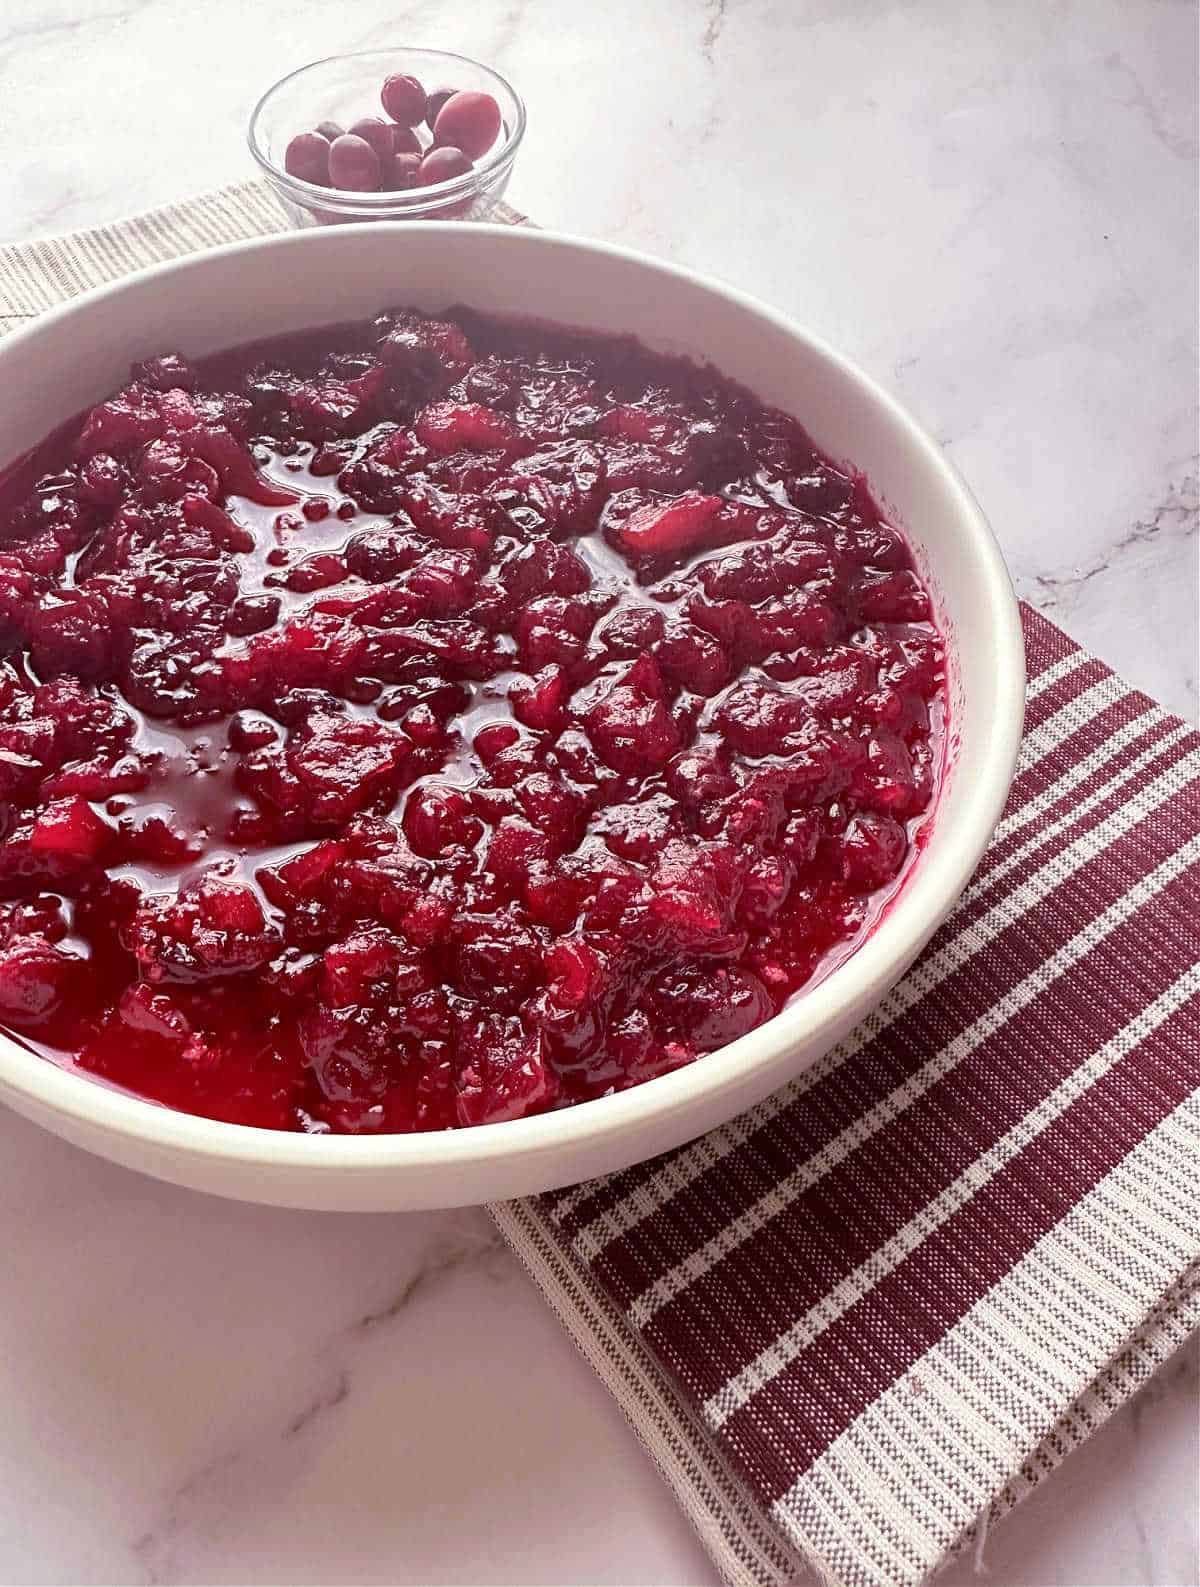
[992, 206]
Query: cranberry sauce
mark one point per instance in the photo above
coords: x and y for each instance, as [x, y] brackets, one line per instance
[432, 722]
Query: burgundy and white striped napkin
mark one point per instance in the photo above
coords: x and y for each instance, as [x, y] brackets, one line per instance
[868, 1316]
[862, 1321]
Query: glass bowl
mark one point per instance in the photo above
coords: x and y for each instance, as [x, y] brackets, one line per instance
[345, 88]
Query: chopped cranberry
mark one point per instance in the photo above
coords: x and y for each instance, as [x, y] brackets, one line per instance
[893, 597]
[169, 373]
[438, 818]
[666, 528]
[430, 722]
[37, 981]
[693, 659]
[504, 1072]
[153, 1013]
[102, 480]
[632, 630]
[873, 850]
[721, 1007]
[70, 829]
[215, 928]
[451, 427]
[252, 613]
[494, 740]
[630, 724]
[498, 960]
[428, 350]
[541, 701]
[344, 765]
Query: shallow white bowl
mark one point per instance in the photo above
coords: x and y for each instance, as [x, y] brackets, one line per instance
[75, 354]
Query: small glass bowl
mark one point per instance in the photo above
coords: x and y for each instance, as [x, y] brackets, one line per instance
[344, 88]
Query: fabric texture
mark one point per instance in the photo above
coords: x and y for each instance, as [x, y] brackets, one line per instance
[859, 1323]
[877, 1309]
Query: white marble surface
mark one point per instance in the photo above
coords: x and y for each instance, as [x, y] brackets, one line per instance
[990, 205]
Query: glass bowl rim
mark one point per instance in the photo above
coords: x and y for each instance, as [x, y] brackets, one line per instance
[311, 195]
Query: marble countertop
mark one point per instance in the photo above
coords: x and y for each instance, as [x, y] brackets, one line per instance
[992, 206]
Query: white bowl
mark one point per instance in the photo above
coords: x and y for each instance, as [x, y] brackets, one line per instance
[77, 353]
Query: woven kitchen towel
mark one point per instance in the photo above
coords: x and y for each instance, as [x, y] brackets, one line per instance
[867, 1317]
[862, 1321]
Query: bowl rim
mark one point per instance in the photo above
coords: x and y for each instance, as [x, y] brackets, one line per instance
[912, 916]
[345, 200]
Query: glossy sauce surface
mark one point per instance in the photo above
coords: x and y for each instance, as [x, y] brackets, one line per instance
[423, 723]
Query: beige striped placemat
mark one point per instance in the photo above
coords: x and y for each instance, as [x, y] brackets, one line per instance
[34, 276]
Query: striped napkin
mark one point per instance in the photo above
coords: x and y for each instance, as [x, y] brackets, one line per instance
[864, 1319]
[858, 1324]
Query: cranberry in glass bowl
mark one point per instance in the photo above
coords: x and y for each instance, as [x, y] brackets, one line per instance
[331, 99]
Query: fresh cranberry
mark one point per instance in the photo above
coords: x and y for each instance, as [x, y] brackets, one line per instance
[434, 103]
[307, 156]
[405, 141]
[402, 173]
[468, 121]
[330, 130]
[404, 99]
[353, 164]
[442, 164]
[379, 134]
